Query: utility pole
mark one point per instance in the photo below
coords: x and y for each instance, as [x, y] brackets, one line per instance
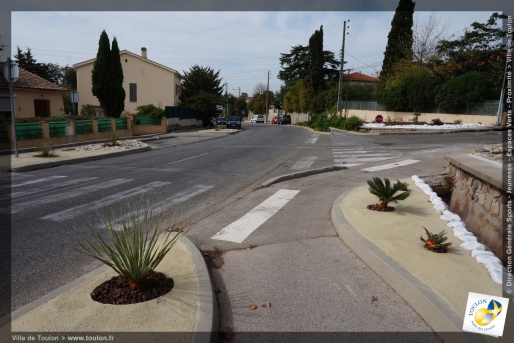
[341, 70]
[226, 96]
[346, 102]
[238, 91]
[267, 91]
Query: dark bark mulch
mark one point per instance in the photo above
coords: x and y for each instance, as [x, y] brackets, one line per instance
[378, 208]
[440, 250]
[117, 290]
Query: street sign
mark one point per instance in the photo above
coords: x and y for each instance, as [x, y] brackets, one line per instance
[243, 112]
[379, 119]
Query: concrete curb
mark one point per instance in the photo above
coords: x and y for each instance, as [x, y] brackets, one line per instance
[207, 320]
[438, 314]
[300, 174]
[77, 160]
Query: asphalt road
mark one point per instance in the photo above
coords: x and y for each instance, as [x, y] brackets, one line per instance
[293, 259]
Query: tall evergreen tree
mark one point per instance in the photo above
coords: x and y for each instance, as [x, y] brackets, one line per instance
[100, 75]
[317, 60]
[118, 98]
[201, 89]
[399, 40]
[107, 77]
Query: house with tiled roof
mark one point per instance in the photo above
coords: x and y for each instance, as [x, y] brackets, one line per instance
[145, 82]
[34, 96]
[360, 78]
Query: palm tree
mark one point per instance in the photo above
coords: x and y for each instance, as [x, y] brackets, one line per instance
[386, 192]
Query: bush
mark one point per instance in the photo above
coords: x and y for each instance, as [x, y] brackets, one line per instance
[45, 150]
[150, 110]
[133, 251]
[437, 121]
[88, 110]
[353, 123]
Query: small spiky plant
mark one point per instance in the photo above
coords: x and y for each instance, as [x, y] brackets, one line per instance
[387, 192]
[435, 242]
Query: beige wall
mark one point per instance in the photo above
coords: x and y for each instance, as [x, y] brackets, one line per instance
[154, 84]
[24, 101]
[369, 116]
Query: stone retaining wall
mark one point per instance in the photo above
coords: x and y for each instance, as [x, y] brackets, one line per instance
[478, 198]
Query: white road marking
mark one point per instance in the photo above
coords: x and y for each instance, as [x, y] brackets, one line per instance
[45, 188]
[30, 182]
[239, 230]
[81, 209]
[314, 139]
[185, 159]
[391, 165]
[361, 159]
[163, 205]
[304, 163]
[49, 199]
[349, 165]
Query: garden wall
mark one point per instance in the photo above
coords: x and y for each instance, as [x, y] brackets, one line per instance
[479, 199]
[32, 135]
[369, 116]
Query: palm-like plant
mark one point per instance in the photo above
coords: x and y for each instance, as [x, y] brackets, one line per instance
[435, 242]
[387, 192]
[132, 250]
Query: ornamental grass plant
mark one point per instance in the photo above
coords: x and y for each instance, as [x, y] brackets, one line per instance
[134, 247]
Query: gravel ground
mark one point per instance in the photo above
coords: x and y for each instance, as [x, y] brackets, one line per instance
[122, 145]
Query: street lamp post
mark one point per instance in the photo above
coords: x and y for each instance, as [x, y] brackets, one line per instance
[11, 73]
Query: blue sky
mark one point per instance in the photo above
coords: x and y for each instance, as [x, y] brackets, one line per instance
[244, 46]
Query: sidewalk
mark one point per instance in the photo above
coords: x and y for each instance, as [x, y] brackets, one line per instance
[435, 285]
[27, 162]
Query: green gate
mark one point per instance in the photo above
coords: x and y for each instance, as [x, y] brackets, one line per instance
[146, 120]
[58, 128]
[26, 131]
[104, 125]
[83, 127]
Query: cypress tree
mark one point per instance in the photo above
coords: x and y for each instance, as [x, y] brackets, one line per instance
[399, 40]
[101, 75]
[317, 60]
[118, 98]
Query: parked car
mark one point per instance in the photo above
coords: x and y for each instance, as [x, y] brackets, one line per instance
[221, 121]
[234, 122]
[258, 118]
[284, 119]
[274, 120]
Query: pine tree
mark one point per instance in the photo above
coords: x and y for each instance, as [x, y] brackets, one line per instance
[399, 40]
[118, 98]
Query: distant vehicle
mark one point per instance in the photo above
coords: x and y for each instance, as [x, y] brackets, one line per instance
[274, 120]
[284, 119]
[221, 121]
[257, 118]
[234, 122]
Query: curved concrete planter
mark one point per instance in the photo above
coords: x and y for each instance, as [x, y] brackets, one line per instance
[189, 308]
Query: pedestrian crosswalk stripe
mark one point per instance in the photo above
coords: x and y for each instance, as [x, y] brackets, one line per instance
[49, 199]
[96, 205]
[49, 187]
[239, 230]
[30, 182]
[391, 165]
[165, 204]
[313, 139]
[364, 159]
[304, 163]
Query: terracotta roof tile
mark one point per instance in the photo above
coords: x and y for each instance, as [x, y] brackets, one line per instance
[28, 80]
[360, 77]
